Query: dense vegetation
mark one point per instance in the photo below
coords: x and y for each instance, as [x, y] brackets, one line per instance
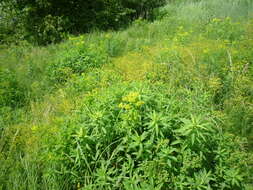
[47, 21]
[160, 105]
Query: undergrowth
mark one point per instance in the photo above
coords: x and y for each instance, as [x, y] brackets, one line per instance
[161, 105]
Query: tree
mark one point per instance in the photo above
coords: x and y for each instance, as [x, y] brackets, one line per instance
[46, 21]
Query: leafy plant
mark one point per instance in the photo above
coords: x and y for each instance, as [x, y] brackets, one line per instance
[75, 62]
[11, 92]
[130, 134]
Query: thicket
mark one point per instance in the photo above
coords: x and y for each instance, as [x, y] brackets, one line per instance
[47, 21]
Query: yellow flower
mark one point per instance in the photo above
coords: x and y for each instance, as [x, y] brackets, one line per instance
[124, 106]
[97, 115]
[127, 107]
[34, 128]
[131, 97]
[216, 20]
[139, 103]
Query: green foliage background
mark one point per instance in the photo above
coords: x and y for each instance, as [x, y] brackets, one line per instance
[47, 21]
[166, 104]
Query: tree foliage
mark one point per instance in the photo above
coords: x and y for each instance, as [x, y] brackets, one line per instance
[47, 21]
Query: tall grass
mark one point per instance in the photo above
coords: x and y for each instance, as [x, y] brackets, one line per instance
[155, 106]
[203, 11]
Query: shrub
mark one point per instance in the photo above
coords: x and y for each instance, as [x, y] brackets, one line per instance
[75, 62]
[137, 136]
[49, 30]
[11, 26]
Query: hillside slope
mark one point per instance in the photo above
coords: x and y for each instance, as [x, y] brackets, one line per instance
[161, 105]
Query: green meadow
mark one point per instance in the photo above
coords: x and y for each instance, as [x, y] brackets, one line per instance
[159, 105]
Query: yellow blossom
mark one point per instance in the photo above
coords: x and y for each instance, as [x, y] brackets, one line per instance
[139, 103]
[127, 107]
[34, 128]
[216, 20]
[124, 106]
[131, 97]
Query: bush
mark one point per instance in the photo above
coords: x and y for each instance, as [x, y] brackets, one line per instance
[49, 30]
[11, 26]
[137, 136]
[75, 62]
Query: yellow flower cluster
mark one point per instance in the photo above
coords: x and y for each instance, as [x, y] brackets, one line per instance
[34, 128]
[132, 99]
[220, 20]
[125, 106]
[216, 20]
[139, 103]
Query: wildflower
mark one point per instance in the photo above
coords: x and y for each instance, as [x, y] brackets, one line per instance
[127, 107]
[97, 115]
[216, 20]
[139, 103]
[131, 97]
[121, 105]
[124, 106]
[34, 128]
